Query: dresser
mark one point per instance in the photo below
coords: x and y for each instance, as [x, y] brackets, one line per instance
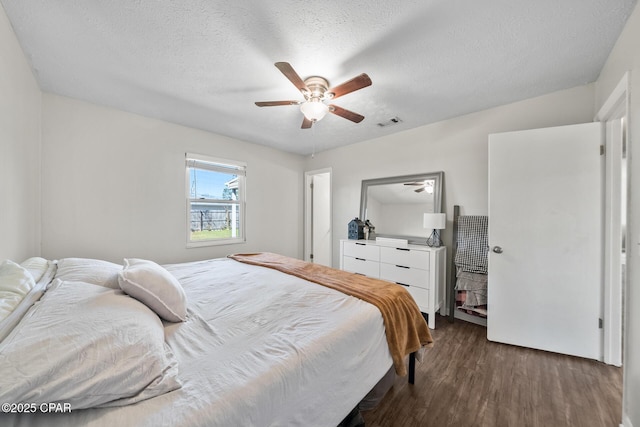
[421, 269]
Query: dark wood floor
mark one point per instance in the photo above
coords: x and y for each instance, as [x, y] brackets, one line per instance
[465, 380]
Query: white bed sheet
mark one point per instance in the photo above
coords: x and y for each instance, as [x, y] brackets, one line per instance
[259, 348]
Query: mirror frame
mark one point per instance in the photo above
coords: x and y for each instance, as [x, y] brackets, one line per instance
[438, 178]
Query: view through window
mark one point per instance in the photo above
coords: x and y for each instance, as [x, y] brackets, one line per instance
[215, 200]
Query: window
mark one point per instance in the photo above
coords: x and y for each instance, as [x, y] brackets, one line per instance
[215, 200]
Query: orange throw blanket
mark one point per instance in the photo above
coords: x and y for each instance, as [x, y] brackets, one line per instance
[406, 329]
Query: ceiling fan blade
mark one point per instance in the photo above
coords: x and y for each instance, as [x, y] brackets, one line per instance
[414, 183]
[276, 103]
[293, 77]
[419, 190]
[306, 123]
[352, 85]
[349, 115]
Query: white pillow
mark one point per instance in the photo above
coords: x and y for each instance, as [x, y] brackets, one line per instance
[88, 346]
[95, 271]
[151, 284]
[15, 283]
[37, 266]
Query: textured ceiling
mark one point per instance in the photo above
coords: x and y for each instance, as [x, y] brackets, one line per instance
[203, 63]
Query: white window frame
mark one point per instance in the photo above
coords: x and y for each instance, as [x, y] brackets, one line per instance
[234, 167]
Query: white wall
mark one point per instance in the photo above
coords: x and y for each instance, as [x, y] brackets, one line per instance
[626, 57]
[457, 146]
[20, 101]
[114, 186]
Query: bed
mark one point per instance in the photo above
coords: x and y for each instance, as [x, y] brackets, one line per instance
[207, 343]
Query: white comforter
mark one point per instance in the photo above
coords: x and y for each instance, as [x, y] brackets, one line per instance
[259, 348]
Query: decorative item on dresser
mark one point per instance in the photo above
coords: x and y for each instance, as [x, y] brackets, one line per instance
[420, 268]
[356, 229]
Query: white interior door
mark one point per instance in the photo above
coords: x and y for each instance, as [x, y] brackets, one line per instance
[545, 237]
[318, 239]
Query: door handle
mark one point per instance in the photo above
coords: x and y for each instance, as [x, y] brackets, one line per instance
[497, 249]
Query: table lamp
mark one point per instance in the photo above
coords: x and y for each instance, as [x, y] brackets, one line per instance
[435, 222]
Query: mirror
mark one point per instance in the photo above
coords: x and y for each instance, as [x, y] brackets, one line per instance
[395, 205]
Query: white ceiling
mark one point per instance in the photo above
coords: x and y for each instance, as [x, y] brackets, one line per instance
[203, 63]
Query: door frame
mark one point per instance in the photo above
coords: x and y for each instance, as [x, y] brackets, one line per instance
[308, 218]
[615, 107]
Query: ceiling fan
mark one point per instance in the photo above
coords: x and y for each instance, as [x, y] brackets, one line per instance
[422, 186]
[316, 91]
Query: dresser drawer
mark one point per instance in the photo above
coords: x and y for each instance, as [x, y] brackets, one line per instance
[361, 266]
[405, 257]
[362, 250]
[420, 296]
[408, 276]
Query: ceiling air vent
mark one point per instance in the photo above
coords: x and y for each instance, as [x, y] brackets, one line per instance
[392, 121]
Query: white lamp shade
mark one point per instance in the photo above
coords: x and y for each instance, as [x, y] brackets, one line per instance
[435, 221]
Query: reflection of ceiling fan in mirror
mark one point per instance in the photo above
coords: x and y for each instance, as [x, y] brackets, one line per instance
[422, 186]
[316, 91]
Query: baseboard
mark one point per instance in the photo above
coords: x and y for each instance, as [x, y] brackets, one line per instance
[626, 422]
[470, 318]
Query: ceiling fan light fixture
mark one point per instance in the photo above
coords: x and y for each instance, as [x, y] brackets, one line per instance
[316, 91]
[314, 109]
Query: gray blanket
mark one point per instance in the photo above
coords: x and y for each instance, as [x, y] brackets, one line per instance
[472, 245]
[475, 285]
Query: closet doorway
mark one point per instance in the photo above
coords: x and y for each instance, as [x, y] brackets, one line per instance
[318, 230]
